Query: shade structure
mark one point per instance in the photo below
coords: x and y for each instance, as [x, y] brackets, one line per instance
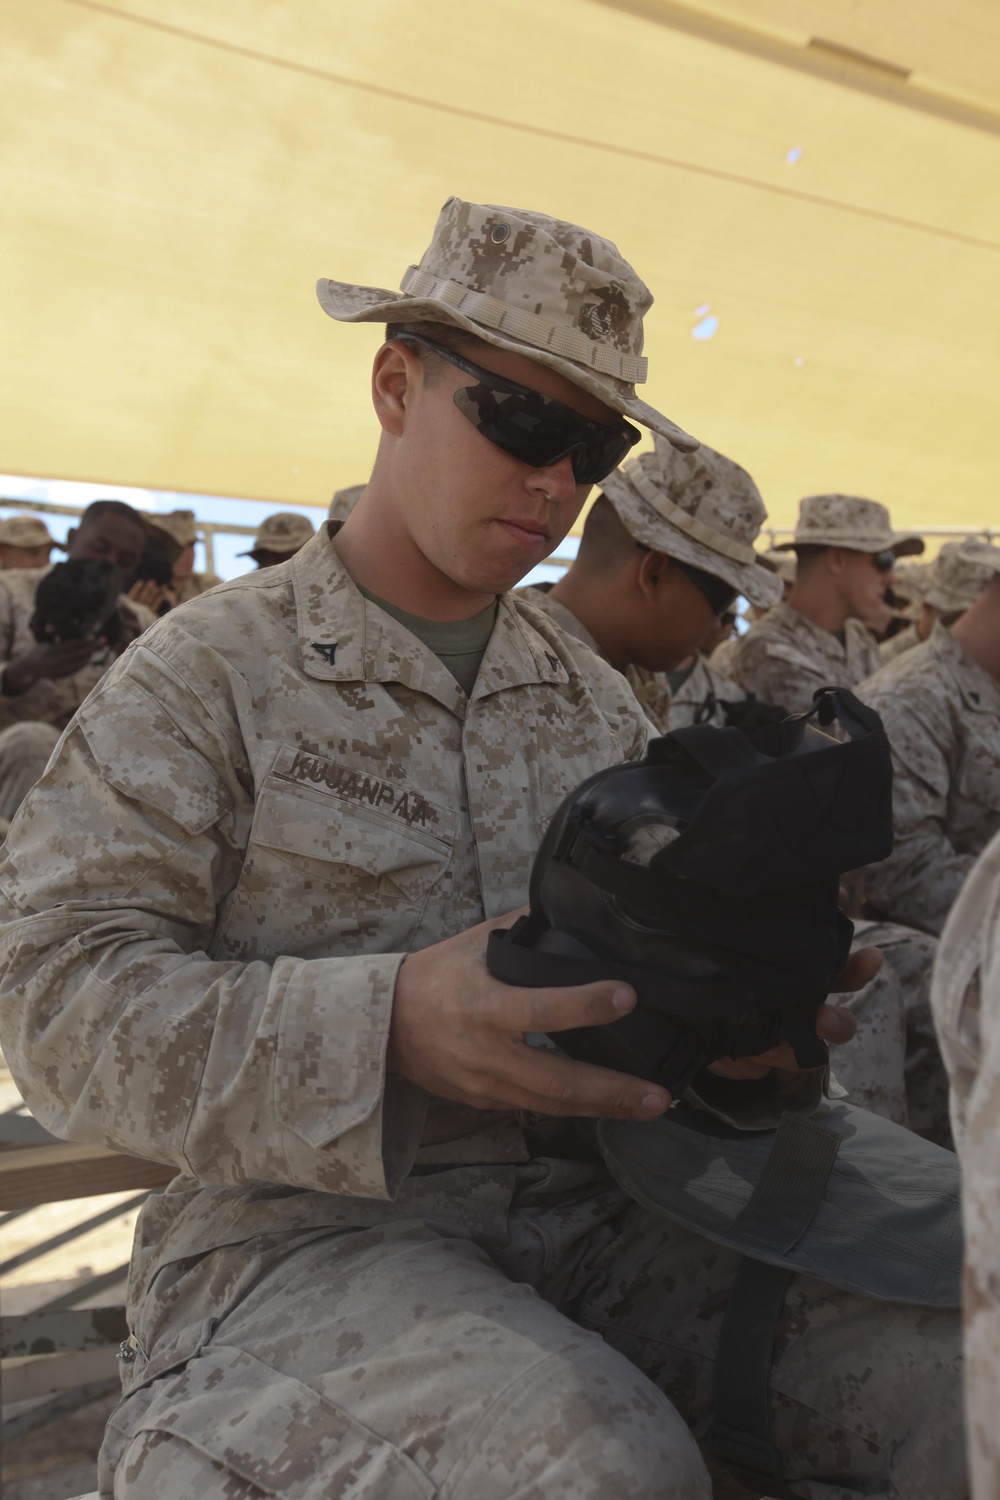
[824, 248]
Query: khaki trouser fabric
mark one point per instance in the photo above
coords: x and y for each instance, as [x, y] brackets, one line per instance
[893, 1065]
[24, 754]
[405, 1360]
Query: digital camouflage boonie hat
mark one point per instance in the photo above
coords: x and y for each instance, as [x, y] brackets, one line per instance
[978, 554]
[524, 281]
[958, 576]
[25, 531]
[700, 508]
[179, 526]
[850, 522]
[283, 533]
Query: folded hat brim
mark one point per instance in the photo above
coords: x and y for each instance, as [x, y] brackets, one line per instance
[369, 304]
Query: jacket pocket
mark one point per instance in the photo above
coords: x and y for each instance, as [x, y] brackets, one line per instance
[324, 877]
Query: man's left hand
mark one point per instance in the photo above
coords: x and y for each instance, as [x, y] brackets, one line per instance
[833, 1023]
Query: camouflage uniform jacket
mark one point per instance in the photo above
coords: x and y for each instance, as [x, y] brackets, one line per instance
[196, 584]
[941, 711]
[49, 700]
[651, 689]
[725, 656]
[701, 697]
[903, 640]
[965, 998]
[784, 658]
[268, 801]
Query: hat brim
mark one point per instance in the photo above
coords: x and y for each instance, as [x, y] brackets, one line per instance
[753, 581]
[369, 304]
[903, 543]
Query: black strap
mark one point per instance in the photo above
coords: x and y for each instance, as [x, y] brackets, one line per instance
[780, 1210]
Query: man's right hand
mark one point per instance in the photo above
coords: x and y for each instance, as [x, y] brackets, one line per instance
[459, 1033]
[60, 659]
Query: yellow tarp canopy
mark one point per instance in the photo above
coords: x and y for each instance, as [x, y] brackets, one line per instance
[177, 173]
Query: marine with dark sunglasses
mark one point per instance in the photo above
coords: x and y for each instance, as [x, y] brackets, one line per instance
[244, 919]
[846, 550]
[666, 548]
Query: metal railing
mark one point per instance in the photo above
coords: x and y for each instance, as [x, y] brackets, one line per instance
[770, 536]
[208, 529]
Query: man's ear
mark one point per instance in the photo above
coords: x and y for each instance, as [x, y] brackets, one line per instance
[396, 376]
[653, 573]
[70, 536]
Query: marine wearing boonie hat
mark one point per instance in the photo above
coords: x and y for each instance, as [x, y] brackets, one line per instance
[25, 531]
[959, 574]
[700, 508]
[283, 533]
[529, 283]
[848, 521]
[178, 527]
[344, 501]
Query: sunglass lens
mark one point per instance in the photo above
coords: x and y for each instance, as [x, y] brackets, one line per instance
[539, 431]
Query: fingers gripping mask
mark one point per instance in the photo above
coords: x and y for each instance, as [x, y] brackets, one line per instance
[706, 876]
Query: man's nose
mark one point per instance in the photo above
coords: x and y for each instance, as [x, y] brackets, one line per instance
[557, 480]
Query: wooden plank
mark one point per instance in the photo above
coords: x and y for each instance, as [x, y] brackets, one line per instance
[58, 1332]
[49, 1174]
[24, 1379]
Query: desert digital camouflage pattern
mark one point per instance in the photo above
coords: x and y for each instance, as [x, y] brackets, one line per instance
[725, 658]
[702, 696]
[903, 640]
[47, 701]
[941, 711]
[196, 584]
[966, 1001]
[24, 754]
[525, 281]
[701, 508]
[276, 793]
[893, 1065]
[284, 533]
[850, 521]
[784, 658]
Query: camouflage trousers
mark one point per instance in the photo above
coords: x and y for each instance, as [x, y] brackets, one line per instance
[405, 1361]
[24, 754]
[893, 1065]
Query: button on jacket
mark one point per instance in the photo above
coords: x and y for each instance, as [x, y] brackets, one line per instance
[784, 658]
[267, 802]
[941, 711]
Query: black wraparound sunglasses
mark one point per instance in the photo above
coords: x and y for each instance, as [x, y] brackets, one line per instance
[537, 429]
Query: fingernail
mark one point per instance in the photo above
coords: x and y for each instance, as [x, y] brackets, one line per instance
[654, 1101]
[623, 1000]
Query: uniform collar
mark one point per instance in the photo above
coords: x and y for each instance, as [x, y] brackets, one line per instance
[343, 637]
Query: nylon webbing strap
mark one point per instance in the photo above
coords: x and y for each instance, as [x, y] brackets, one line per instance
[780, 1210]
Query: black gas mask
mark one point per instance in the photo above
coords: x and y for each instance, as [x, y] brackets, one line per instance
[706, 876]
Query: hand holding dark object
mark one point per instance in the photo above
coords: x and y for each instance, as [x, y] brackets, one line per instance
[77, 599]
[50, 660]
[459, 1033]
[834, 1023]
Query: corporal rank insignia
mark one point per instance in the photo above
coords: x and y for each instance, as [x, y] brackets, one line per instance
[327, 651]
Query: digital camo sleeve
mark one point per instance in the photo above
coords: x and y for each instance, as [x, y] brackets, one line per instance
[117, 1024]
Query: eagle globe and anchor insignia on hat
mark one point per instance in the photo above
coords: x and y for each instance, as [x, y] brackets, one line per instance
[538, 286]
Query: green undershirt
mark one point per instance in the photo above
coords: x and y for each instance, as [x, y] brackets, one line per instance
[458, 644]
